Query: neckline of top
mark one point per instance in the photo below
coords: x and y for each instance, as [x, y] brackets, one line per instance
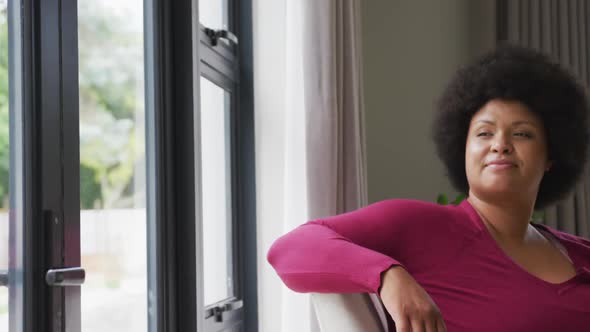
[582, 269]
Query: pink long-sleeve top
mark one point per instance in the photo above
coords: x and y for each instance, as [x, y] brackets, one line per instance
[450, 253]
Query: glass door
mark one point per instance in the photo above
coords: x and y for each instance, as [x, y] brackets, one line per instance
[125, 185]
[112, 165]
[4, 168]
[72, 178]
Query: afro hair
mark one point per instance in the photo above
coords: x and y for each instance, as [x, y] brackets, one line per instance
[518, 74]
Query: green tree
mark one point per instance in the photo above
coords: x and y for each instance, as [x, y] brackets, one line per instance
[111, 97]
[4, 116]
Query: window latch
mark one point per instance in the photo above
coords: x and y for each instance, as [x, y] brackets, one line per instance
[215, 35]
[72, 276]
[217, 311]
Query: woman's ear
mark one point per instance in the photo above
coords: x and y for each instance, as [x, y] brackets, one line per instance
[548, 165]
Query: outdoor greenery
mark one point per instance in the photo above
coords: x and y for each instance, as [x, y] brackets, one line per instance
[4, 147]
[111, 108]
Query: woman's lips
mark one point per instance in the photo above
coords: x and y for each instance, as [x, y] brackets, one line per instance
[501, 166]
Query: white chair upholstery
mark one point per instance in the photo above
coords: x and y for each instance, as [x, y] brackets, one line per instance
[349, 312]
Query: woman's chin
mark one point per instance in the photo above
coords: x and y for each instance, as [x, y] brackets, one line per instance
[504, 188]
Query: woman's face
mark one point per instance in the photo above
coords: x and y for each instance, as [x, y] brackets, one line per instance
[506, 151]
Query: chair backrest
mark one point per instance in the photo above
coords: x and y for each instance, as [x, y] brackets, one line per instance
[349, 313]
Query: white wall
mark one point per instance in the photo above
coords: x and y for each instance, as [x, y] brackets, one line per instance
[411, 49]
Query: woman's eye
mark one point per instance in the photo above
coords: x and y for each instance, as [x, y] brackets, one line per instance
[484, 134]
[522, 134]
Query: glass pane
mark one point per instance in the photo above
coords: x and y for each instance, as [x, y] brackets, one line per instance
[112, 165]
[214, 13]
[216, 182]
[4, 165]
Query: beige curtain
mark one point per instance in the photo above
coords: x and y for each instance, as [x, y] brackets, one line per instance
[310, 155]
[335, 140]
[560, 28]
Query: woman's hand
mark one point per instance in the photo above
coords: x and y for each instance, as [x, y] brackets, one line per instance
[409, 305]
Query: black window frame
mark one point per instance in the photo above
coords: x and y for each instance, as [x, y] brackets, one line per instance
[43, 80]
[229, 66]
[44, 47]
[179, 52]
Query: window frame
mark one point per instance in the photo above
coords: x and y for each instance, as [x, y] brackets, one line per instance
[246, 186]
[43, 80]
[176, 51]
[230, 67]
[47, 115]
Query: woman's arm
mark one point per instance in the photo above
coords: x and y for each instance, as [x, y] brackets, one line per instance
[349, 252]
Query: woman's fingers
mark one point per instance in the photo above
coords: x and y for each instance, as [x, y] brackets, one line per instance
[440, 326]
[431, 325]
[435, 323]
[418, 326]
[403, 325]
[412, 309]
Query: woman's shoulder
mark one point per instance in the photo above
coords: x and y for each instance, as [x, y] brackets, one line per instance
[416, 206]
[426, 232]
[411, 205]
[585, 242]
[565, 236]
[424, 213]
[575, 244]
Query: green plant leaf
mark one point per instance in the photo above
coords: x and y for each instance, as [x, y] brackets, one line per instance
[459, 199]
[442, 199]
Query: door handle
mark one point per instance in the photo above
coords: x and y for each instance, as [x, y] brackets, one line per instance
[3, 278]
[71, 276]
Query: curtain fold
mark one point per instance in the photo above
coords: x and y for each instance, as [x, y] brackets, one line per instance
[561, 29]
[335, 137]
[335, 127]
[310, 145]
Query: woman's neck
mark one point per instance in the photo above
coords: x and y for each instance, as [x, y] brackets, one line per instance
[508, 221]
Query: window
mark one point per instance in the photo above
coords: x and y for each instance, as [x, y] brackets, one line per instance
[127, 197]
[112, 165]
[4, 167]
[227, 222]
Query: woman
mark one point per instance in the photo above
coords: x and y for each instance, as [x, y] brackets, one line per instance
[512, 131]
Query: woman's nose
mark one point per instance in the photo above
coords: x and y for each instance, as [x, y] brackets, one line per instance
[502, 145]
